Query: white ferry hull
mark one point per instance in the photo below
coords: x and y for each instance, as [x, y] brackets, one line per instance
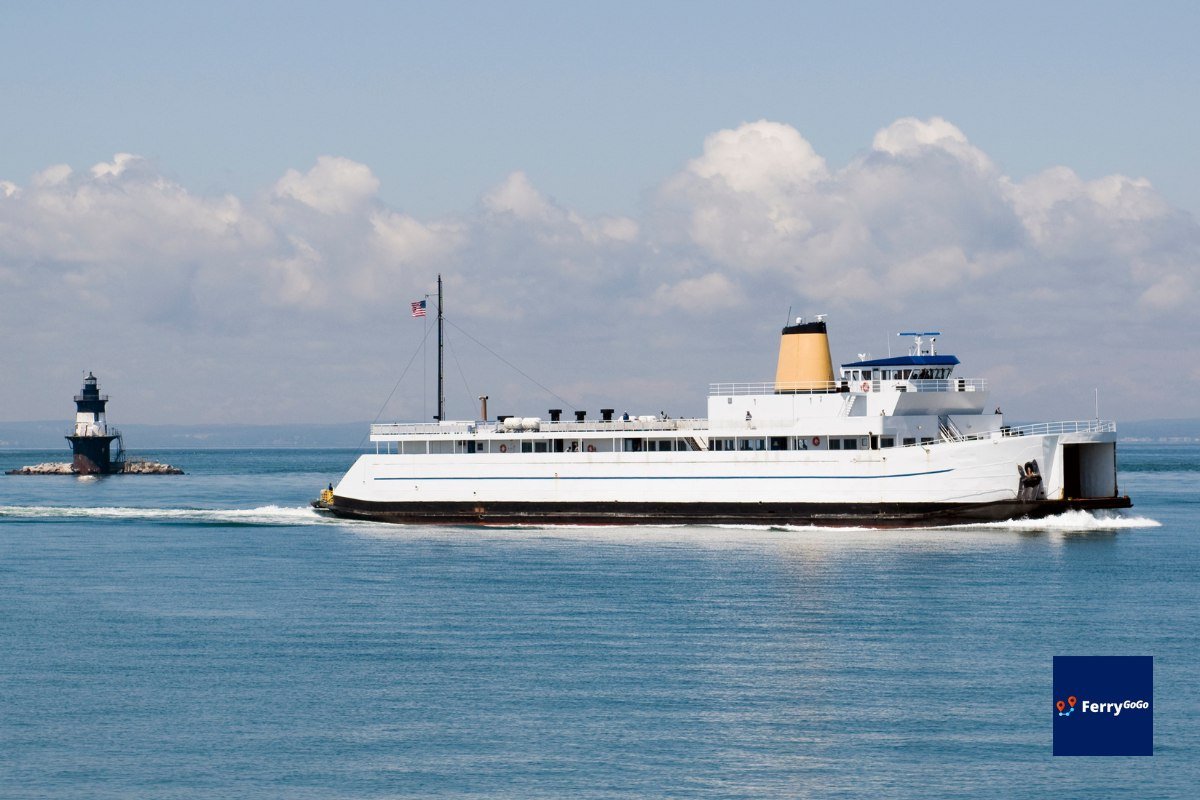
[945, 483]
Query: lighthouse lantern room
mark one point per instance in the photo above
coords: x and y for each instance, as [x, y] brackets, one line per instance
[92, 440]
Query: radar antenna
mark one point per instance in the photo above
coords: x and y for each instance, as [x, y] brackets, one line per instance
[919, 340]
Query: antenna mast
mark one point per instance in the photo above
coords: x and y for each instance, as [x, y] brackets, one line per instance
[441, 389]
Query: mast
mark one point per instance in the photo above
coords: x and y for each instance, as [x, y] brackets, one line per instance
[441, 389]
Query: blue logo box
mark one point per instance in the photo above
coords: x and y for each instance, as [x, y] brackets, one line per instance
[1103, 706]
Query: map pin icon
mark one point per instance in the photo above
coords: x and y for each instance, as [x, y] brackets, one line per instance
[1071, 701]
[1060, 705]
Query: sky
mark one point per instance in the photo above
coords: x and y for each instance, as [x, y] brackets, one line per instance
[225, 209]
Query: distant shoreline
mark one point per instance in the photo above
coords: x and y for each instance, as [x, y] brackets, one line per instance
[50, 435]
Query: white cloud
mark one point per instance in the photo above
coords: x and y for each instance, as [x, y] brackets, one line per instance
[1169, 293]
[119, 163]
[333, 186]
[707, 294]
[52, 176]
[516, 196]
[763, 158]
[920, 228]
[910, 137]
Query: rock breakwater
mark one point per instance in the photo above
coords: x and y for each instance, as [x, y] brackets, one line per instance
[67, 468]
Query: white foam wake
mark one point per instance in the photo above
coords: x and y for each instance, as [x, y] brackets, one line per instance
[1073, 521]
[263, 515]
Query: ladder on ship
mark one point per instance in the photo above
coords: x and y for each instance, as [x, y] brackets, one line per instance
[948, 430]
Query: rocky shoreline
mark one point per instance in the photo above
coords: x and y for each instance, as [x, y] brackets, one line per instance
[67, 468]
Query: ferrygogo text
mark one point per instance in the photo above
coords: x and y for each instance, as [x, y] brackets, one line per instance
[1111, 708]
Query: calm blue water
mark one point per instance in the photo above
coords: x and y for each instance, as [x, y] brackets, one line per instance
[207, 636]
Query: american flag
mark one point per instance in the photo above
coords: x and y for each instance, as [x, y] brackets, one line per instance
[418, 307]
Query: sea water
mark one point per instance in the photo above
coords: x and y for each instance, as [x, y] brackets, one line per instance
[209, 636]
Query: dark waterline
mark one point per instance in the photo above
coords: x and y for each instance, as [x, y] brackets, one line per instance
[207, 636]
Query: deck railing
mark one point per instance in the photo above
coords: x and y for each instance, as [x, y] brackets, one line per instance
[689, 424]
[949, 433]
[828, 387]
[1072, 426]
[544, 426]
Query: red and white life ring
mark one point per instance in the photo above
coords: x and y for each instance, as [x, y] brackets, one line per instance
[503, 448]
[816, 441]
[866, 386]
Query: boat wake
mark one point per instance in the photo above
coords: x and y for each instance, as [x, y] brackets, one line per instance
[263, 515]
[1071, 521]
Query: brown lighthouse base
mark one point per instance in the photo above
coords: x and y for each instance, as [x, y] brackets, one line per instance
[93, 455]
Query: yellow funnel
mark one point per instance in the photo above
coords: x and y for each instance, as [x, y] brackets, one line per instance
[804, 362]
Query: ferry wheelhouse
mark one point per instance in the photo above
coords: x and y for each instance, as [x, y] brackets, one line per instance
[898, 441]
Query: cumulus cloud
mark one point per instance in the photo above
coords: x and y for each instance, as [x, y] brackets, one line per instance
[333, 185]
[922, 213]
[921, 227]
[910, 137]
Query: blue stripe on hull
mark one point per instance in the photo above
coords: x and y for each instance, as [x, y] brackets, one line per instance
[662, 477]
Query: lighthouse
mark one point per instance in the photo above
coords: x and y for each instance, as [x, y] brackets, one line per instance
[92, 441]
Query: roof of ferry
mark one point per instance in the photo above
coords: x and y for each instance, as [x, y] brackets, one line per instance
[906, 361]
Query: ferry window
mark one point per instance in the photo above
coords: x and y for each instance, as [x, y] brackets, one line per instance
[559, 446]
[471, 447]
[855, 375]
[540, 447]
[926, 440]
[909, 440]
[722, 444]
[634, 445]
[887, 441]
[835, 444]
[526, 447]
[752, 444]
[779, 443]
[850, 444]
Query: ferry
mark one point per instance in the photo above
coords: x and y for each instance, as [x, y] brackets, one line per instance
[889, 442]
